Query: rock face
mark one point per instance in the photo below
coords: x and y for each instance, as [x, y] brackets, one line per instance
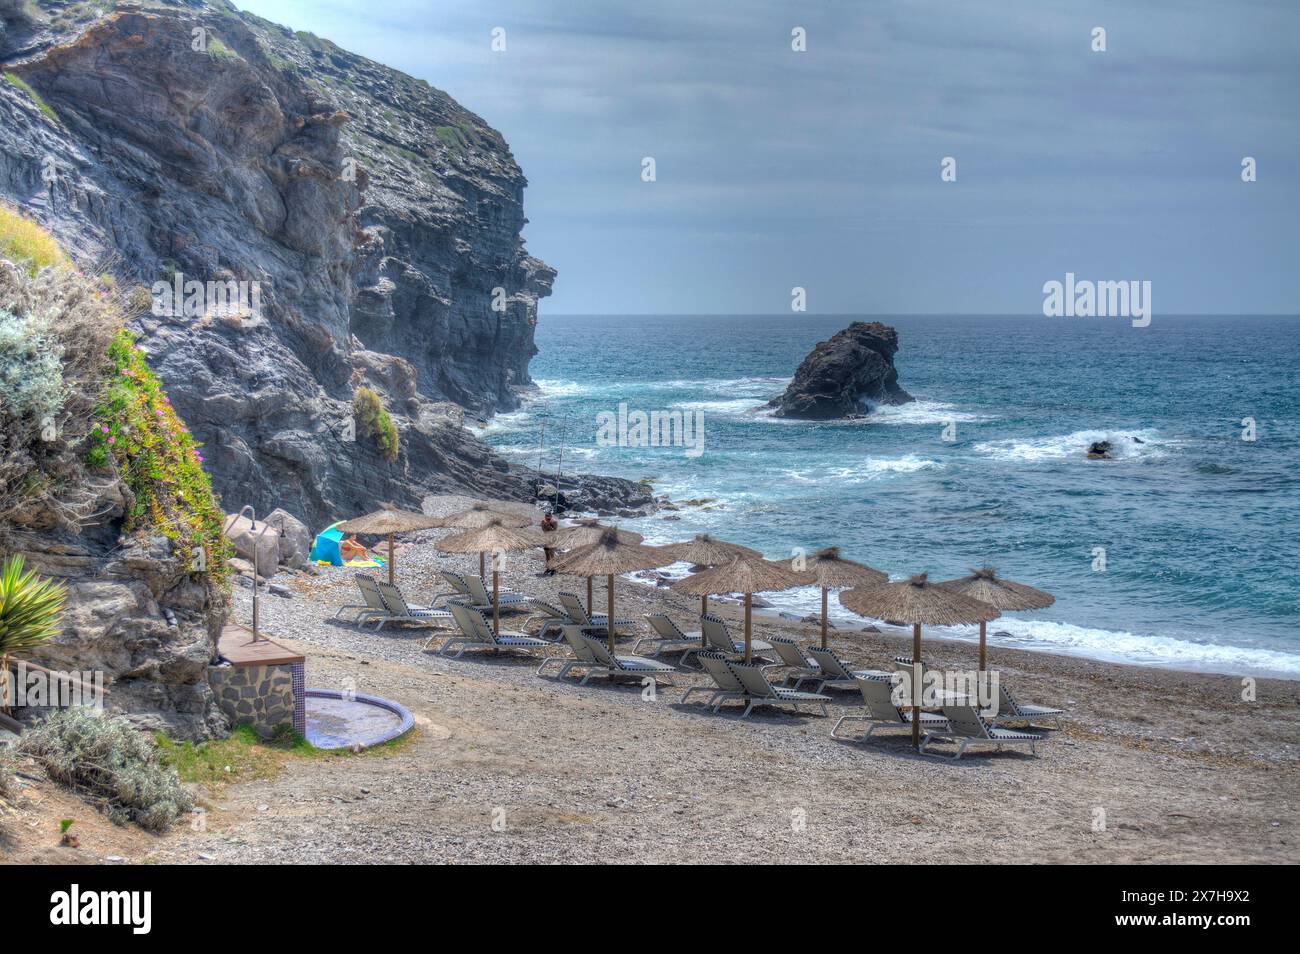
[136, 615]
[842, 374]
[377, 219]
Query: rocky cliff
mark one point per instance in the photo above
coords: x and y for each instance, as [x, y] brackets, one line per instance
[375, 220]
[844, 375]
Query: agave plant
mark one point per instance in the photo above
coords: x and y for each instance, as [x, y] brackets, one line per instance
[29, 613]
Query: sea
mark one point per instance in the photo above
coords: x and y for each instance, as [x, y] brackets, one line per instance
[1183, 551]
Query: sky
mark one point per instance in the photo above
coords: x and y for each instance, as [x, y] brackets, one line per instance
[821, 169]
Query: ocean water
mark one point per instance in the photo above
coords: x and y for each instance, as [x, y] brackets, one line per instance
[1199, 527]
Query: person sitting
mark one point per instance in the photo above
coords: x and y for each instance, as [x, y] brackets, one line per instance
[351, 550]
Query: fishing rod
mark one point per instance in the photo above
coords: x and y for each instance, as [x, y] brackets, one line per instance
[559, 464]
[541, 446]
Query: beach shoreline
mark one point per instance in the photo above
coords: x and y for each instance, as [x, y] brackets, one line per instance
[1151, 765]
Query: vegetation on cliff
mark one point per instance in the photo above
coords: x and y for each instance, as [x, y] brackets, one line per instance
[78, 404]
[375, 423]
[159, 459]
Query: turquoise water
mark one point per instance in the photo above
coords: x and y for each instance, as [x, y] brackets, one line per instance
[1199, 526]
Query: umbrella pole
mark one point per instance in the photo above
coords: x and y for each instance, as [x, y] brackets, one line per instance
[591, 604]
[482, 565]
[916, 688]
[704, 608]
[824, 592]
[496, 600]
[390, 558]
[749, 625]
[704, 604]
[982, 625]
[609, 619]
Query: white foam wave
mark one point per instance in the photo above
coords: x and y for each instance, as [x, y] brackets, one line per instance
[559, 388]
[1148, 444]
[1069, 639]
[874, 468]
[733, 406]
[921, 412]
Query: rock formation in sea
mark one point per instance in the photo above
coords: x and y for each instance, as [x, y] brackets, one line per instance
[842, 374]
[377, 220]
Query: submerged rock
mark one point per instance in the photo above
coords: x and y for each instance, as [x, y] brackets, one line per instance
[843, 373]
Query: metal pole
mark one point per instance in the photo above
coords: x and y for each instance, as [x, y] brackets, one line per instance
[916, 686]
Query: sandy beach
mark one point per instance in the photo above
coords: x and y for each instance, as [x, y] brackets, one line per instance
[506, 766]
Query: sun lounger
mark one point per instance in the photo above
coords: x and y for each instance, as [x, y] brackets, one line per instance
[583, 657]
[966, 727]
[508, 600]
[554, 620]
[799, 667]
[760, 692]
[667, 635]
[836, 675]
[578, 613]
[399, 611]
[591, 653]
[624, 665]
[880, 712]
[373, 605]
[720, 641]
[476, 633]
[1011, 709]
[725, 684]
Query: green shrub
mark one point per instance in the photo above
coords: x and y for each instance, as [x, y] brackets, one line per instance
[31, 369]
[375, 422]
[25, 242]
[30, 608]
[220, 51]
[15, 80]
[159, 460]
[108, 761]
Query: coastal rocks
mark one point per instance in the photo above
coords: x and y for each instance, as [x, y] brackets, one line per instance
[137, 615]
[258, 544]
[843, 373]
[1100, 450]
[378, 218]
[295, 538]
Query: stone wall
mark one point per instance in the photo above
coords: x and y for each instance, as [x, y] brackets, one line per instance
[260, 696]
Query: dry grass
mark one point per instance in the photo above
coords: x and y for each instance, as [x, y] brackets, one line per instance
[25, 242]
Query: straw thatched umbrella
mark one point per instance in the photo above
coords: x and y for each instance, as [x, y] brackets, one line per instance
[917, 602]
[706, 550]
[830, 571]
[482, 513]
[985, 585]
[742, 576]
[389, 521]
[608, 556]
[583, 534]
[495, 537]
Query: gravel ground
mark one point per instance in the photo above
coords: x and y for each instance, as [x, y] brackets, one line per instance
[509, 766]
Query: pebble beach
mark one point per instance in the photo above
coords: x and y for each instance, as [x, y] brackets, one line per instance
[1152, 765]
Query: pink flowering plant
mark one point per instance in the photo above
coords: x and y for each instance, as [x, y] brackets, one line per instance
[158, 458]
